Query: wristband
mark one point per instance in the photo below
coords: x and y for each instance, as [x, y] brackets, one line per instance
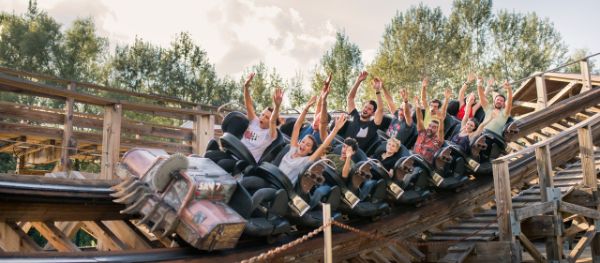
[378, 92]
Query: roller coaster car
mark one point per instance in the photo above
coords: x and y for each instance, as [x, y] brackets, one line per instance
[244, 161]
[175, 194]
[449, 167]
[407, 177]
[306, 195]
[490, 145]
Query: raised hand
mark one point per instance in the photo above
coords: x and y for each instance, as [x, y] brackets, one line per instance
[403, 94]
[362, 76]
[417, 102]
[249, 79]
[470, 77]
[340, 121]
[506, 85]
[447, 93]
[491, 81]
[471, 99]
[479, 81]
[327, 81]
[349, 152]
[425, 82]
[377, 84]
[278, 96]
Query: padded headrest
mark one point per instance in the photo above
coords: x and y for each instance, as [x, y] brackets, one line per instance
[235, 123]
[280, 155]
[275, 176]
[271, 151]
[234, 146]
[453, 107]
[288, 126]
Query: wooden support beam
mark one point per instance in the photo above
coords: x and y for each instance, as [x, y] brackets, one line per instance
[107, 240]
[204, 131]
[526, 104]
[579, 210]
[585, 75]
[533, 210]
[530, 247]
[127, 234]
[564, 91]
[585, 240]
[503, 200]
[545, 173]
[69, 228]
[111, 141]
[55, 237]
[14, 239]
[67, 140]
[8, 146]
[542, 95]
[586, 153]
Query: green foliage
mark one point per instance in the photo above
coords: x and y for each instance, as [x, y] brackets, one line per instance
[423, 42]
[261, 88]
[295, 92]
[7, 163]
[343, 60]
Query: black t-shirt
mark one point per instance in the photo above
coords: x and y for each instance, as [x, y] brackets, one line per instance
[365, 132]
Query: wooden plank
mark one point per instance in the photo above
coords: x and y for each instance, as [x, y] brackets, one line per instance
[55, 237]
[13, 239]
[542, 96]
[533, 210]
[579, 210]
[530, 247]
[503, 200]
[111, 141]
[545, 173]
[491, 252]
[458, 253]
[526, 104]
[585, 75]
[585, 240]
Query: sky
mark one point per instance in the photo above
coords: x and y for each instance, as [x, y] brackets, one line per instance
[290, 35]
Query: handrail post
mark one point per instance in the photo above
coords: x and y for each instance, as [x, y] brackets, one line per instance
[544, 169]
[504, 207]
[111, 140]
[586, 154]
[327, 251]
[203, 130]
[67, 139]
[542, 95]
[586, 79]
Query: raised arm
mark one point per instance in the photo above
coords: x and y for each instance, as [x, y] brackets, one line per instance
[352, 93]
[300, 122]
[323, 129]
[389, 100]
[479, 130]
[424, 84]
[407, 115]
[378, 84]
[277, 98]
[348, 162]
[482, 98]
[319, 104]
[442, 114]
[420, 125]
[339, 122]
[509, 99]
[463, 89]
[248, 99]
[470, 102]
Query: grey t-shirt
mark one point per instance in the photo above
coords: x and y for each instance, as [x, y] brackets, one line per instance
[292, 166]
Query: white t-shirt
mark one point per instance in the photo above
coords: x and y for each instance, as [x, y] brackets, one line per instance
[256, 139]
[291, 166]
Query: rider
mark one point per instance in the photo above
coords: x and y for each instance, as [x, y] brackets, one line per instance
[262, 130]
[500, 109]
[401, 126]
[468, 127]
[363, 126]
[430, 139]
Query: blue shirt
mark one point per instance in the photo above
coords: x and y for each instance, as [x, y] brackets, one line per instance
[311, 131]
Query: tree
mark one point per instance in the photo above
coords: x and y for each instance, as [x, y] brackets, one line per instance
[412, 48]
[344, 61]
[296, 94]
[577, 55]
[523, 44]
[262, 85]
